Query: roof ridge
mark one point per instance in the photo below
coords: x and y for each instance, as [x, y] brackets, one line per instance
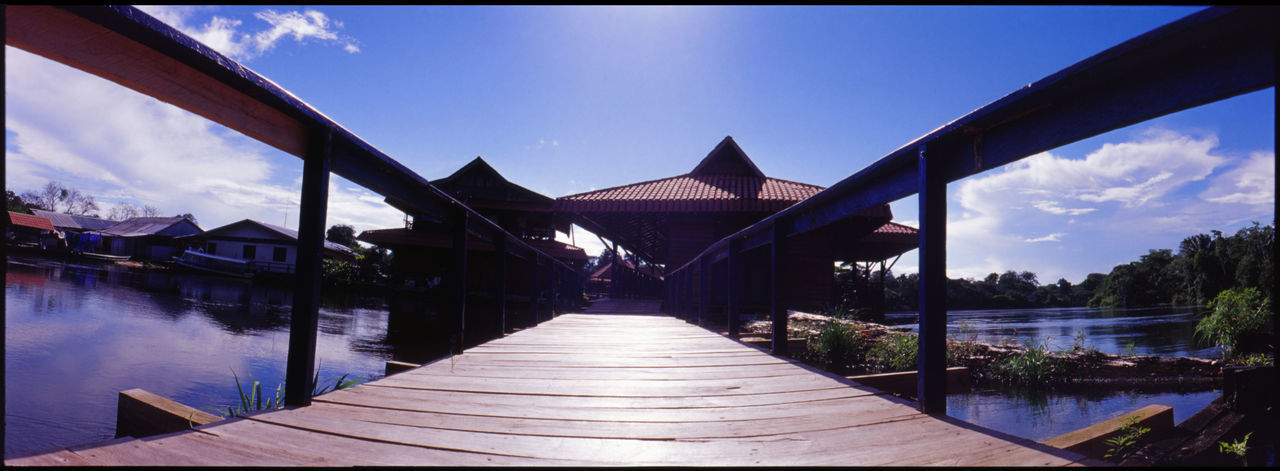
[622, 186]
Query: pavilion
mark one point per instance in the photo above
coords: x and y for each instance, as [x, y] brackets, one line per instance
[669, 221]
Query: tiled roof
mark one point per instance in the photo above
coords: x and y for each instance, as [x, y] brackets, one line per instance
[27, 220]
[688, 192]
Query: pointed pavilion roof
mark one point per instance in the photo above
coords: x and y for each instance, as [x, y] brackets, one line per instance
[478, 184]
[725, 180]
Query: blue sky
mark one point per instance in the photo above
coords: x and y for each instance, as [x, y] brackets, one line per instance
[564, 100]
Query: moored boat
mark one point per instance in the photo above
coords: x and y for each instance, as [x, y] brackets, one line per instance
[214, 264]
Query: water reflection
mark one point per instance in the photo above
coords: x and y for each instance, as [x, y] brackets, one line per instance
[1040, 415]
[1162, 331]
[78, 332]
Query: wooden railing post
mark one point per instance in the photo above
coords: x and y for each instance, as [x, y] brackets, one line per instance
[300, 366]
[777, 290]
[613, 274]
[735, 290]
[533, 287]
[931, 387]
[500, 250]
[704, 295]
[554, 303]
[458, 279]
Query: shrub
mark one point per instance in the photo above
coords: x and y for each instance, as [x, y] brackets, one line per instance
[895, 351]
[837, 347]
[1034, 366]
[1233, 315]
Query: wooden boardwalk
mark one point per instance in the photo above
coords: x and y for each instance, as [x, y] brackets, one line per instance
[589, 389]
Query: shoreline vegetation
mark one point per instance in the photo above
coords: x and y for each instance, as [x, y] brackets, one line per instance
[852, 347]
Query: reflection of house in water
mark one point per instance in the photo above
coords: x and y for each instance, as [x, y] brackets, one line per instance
[266, 247]
[422, 247]
[670, 221]
[149, 238]
[77, 230]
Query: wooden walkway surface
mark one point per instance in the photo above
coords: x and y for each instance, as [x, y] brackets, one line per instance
[589, 389]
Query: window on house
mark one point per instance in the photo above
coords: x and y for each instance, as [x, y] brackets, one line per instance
[279, 254]
[250, 251]
[211, 248]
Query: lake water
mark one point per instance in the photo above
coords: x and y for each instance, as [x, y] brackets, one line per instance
[77, 333]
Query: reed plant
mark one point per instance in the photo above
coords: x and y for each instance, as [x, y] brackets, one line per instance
[253, 400]
[1033, 366]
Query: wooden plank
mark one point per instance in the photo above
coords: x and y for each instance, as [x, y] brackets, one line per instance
[54, 458]
[523, 404]
[672, 429]
[337, 449]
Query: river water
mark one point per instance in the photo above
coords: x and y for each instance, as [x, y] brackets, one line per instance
[77, 333]
[1038, 415]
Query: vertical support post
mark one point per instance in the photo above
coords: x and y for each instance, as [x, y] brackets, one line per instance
[500, 250]
[704, 283]
[300, 366]
[613, 274]
[533, 287]
[458, 278]
[688, 293]
[931, 379]
[555, 288]
[736, 288]
[777, 290]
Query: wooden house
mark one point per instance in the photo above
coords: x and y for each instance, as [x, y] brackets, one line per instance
[422, 247]
[147, 238]
[669, 221]
[26, 230]
[265, 247]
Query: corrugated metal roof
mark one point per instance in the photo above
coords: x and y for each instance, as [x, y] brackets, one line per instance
[68, 221]
[27, 220]
[135, 227]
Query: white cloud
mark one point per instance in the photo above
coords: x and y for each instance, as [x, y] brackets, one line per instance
[1053, 208]
[124, 147]
[1253, 182]
[1054, 237]
[224, 35]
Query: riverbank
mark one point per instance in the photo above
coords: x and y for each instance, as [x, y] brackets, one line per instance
[852, 347]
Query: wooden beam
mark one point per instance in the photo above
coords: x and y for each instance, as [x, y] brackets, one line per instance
[125, 51]
[300, 367]
[142, 414]
[932, 297]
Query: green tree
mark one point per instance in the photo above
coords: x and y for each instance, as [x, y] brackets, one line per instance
[342, 234]
[14, 203]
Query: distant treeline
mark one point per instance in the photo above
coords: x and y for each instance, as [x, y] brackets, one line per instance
[1204, 265]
